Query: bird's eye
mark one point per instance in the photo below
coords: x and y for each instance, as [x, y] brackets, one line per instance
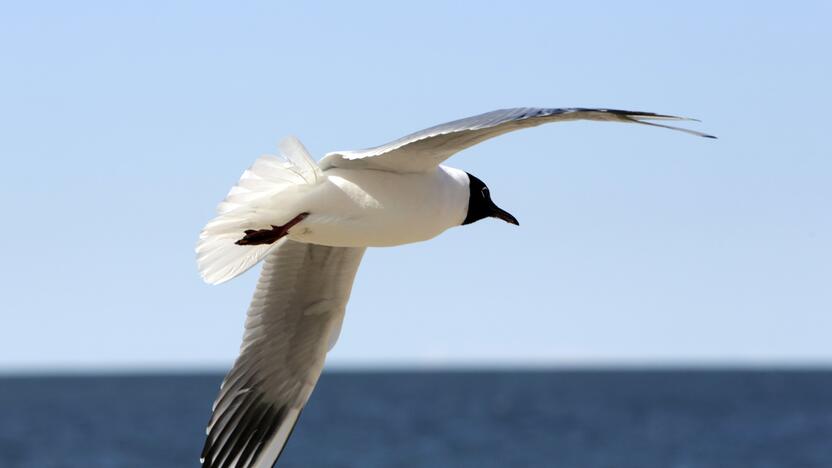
[485, 192]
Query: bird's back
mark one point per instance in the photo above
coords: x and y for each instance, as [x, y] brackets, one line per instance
[371, 208]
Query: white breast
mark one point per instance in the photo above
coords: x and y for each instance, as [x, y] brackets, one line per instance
[357, 208]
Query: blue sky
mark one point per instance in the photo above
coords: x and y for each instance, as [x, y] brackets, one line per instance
[125, 123]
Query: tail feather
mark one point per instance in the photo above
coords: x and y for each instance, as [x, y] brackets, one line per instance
[255, 202]
[299, 160]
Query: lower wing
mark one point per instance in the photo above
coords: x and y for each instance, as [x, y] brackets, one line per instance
[293, 319]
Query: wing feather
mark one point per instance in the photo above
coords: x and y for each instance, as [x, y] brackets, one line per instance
[298, 304]
[426, 149]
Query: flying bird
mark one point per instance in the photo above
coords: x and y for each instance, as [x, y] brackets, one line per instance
[311, 223]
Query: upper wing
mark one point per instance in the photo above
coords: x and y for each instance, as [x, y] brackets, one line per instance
[295, 314]
[426, 149]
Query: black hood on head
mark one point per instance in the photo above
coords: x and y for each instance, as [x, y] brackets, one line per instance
[481, 206]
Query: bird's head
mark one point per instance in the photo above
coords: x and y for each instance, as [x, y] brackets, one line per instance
[481, 206]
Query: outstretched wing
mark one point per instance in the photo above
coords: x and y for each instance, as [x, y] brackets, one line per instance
[293, 319]
[426, 149]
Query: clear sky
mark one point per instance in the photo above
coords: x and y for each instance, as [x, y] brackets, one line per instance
[124, 123]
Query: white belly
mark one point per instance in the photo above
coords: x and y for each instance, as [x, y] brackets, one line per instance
[370, 208]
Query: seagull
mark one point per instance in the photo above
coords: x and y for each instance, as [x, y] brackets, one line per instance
[311, 223]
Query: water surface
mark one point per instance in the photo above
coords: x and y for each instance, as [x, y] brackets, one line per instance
[569, 419]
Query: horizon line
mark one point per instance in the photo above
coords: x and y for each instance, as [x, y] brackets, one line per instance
[79, 369]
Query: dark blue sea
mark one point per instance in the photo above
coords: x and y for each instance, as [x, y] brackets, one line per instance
[569, 419]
